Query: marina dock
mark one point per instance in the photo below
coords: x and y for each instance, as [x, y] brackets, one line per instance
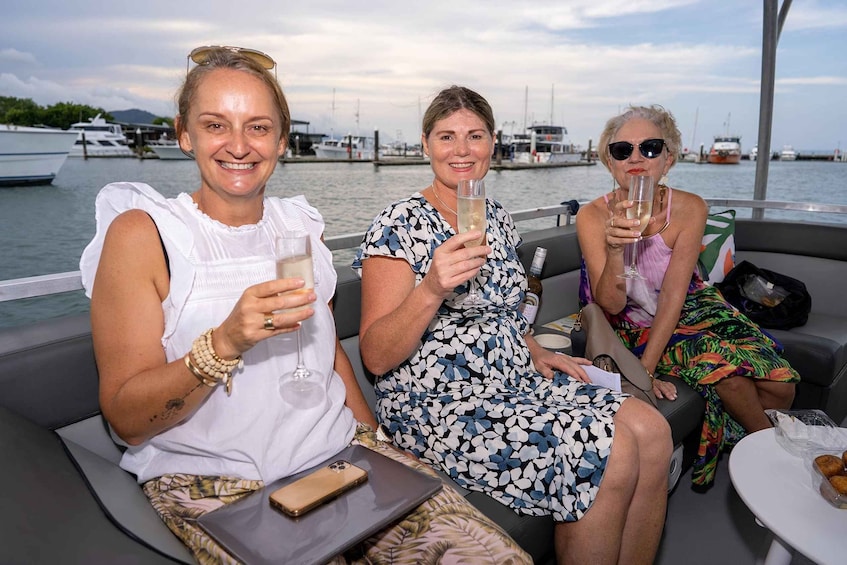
[411, 161]
[513, 166]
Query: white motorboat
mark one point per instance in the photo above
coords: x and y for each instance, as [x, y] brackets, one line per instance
[32, 155]
[787, 153]
[168, 150]
[543, 144]
[99, 138]
[351, 147]
[754, 152]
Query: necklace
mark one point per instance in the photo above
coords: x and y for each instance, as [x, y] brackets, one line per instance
[435, 192]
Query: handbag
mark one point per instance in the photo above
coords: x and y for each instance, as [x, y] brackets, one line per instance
[592, 337]
[770, 299]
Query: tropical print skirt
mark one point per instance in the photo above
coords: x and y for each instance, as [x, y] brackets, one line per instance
[714, 341]
[444, 529]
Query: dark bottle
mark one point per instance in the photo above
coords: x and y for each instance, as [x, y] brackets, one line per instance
[532, 299]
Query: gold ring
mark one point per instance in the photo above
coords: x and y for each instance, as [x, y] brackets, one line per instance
[612, 223]
[269, 323]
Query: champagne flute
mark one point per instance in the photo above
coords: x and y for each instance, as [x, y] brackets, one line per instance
[641, 194]
[470, 215]
[294, 260]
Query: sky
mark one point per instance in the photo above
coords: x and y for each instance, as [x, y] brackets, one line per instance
[355, 67]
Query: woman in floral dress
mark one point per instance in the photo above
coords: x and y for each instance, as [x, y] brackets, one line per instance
[470, 391]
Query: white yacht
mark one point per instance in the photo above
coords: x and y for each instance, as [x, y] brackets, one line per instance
[168, 150]
[543, 144]
[32, 155]
[754, 152]
[99, 138]
[787, 153]
[353, 147]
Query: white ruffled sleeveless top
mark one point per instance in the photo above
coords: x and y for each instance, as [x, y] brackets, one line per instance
[255, 433]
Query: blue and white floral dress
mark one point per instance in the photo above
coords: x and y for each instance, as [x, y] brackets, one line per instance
[469, 401]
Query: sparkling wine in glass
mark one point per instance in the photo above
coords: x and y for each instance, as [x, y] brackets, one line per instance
[641, 194]
[471, 216]
[294, 260]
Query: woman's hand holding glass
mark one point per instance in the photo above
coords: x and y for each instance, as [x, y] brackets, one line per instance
[629, 216]
[453, 263]
[254, 313]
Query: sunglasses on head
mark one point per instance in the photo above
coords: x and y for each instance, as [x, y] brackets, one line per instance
[649, 148]
[200, 55]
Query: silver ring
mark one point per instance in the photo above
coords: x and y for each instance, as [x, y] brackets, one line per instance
[269, 323]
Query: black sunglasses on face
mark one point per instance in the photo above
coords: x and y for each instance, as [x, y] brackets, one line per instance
[649, 148]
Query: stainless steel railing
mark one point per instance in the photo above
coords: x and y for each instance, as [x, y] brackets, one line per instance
[44, 285]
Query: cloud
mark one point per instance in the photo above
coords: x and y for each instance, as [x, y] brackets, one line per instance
[88, 92]
[811, 15]
[11, 56]
[346, 67]
[813, 81]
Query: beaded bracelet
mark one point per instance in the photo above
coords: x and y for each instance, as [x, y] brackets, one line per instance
[210, 364]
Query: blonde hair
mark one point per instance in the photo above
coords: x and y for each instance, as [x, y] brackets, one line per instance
[654, 114]
[223, 58]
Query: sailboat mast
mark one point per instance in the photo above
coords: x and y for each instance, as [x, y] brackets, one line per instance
[552, 98]
[694, 131]
[525, 96]
[332, 123]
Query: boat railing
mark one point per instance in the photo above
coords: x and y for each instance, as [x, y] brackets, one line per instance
[44, 285]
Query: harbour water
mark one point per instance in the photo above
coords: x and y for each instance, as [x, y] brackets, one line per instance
[45, 228]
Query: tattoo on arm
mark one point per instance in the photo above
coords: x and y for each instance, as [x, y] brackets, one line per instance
[174, 406]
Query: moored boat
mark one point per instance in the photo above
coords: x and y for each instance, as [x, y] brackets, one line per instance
[32, 155]
[99, 138]
[726, 150]
[754, 152]
[353, 147]
[543, 144]
[787, 153]
[168, 150]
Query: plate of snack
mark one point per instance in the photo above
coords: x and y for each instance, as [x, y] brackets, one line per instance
[829, 471]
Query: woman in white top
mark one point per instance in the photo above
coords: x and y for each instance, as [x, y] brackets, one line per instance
[192, 329]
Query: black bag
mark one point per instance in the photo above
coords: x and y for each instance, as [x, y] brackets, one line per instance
[771, 300]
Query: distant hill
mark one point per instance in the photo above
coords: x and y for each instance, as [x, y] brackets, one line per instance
[133, 116]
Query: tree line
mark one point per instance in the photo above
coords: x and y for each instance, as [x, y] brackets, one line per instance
[25, 112]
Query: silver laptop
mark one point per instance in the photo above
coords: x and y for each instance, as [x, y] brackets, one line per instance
[255, 532]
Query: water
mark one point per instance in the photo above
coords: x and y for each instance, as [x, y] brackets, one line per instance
[45, 228]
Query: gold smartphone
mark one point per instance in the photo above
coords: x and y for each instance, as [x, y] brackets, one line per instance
[317, 487]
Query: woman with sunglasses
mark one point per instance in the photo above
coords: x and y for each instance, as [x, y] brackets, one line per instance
[677, 324]
[189, 322]
[470, 391]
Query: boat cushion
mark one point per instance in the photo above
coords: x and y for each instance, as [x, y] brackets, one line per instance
[50, 515]
[717, 254]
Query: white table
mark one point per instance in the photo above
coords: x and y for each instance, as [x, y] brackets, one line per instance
[777, 487]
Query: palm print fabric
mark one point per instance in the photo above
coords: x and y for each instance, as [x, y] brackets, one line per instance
[469, 401]
[444, 529]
